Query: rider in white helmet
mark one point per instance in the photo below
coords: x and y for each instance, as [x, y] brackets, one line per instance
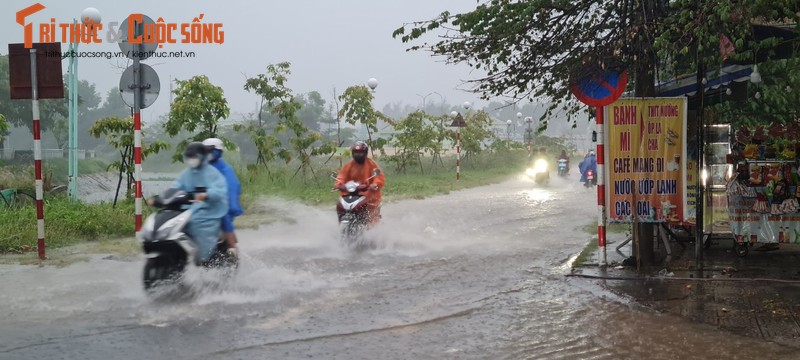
[215, 148]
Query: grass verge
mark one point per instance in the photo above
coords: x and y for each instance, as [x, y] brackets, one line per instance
[65, 224]
[591, 247]
[433, 179]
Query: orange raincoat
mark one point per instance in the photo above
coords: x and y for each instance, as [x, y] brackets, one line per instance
[361, 172]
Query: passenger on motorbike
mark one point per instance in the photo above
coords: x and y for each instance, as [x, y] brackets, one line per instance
[211, 204]
[360, 169]
[215, 148]
[589, 162]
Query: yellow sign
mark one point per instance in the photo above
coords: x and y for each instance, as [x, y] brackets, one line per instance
[646, 159]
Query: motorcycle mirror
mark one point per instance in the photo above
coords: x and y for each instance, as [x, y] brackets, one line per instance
[376, 172]
[333, 175]
[594, 136]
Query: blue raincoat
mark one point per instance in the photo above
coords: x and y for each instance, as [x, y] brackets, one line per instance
[234, 190]
[204, 226]
[588, 163]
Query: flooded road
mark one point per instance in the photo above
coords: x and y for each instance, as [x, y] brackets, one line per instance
[477, 274]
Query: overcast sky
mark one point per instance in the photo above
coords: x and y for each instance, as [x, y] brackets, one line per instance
[329, 44]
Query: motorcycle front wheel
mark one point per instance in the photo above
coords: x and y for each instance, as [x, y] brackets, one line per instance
[156, 272]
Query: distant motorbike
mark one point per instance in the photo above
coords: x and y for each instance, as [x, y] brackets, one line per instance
[353, 213]
[540, 172]
[562, 167]
[591, 179]
[168, 247]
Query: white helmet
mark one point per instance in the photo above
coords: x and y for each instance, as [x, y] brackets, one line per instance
[213, 143]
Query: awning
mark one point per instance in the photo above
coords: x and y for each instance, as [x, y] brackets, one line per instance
[687, 84]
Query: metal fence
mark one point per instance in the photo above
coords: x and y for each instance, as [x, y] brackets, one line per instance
[25, 155]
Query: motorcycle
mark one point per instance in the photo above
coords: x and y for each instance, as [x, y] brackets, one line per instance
[591, 180]
[353, 213]
[539, 173]
[562, 167]
[169, 248]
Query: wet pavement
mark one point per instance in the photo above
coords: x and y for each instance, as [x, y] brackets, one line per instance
[476, 274]
[754, 296]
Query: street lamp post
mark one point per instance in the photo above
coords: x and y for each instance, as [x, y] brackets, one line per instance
[508, 130]
[529, 133]
[89, 17]
[372, 83]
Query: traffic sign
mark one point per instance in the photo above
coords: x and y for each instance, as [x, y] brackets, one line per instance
[50, 83]
[600, 88]
[149, 87]
[458, 121]
[142, 50]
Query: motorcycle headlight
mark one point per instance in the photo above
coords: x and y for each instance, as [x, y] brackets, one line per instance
[540, 166]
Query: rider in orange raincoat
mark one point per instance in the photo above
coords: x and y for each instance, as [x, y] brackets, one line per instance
[360, 169]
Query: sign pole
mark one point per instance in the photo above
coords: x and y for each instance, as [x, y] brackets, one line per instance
[37, 158]
[72, 158]
[137, 139]
[458, 153]
[74, 149]
[71, 119]
[601, 183]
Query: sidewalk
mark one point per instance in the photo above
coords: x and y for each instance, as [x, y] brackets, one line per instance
[722, 294]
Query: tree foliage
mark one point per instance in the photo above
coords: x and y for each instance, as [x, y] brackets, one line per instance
[3, 127]
[476, 135]
[536, 48]
[119, 134]
[416, 135]
[357, 109]
[198, 108]
[279, 101]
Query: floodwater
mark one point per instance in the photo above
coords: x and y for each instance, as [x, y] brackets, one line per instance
[477, 274]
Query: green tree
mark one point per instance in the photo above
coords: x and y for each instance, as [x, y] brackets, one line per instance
[89, 101]
[271, 89]
[60, 130]
[416, 135]
[278, 100]
[313, 111]
[198, 108]
[113, 105]
[3, 127]
[357, 109]
[536, 48]
[476, 135]
[119, 134]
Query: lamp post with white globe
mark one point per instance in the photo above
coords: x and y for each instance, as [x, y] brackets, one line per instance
[372, 83]
[89, 17]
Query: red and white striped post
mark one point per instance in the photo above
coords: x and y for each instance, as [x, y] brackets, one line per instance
[601, 183]
[458, 153]
[37, 158]
[137, 161]
[137, 142]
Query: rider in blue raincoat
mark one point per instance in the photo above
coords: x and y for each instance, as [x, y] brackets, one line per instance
[588, 163]
[211, 203]
[214, 147]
